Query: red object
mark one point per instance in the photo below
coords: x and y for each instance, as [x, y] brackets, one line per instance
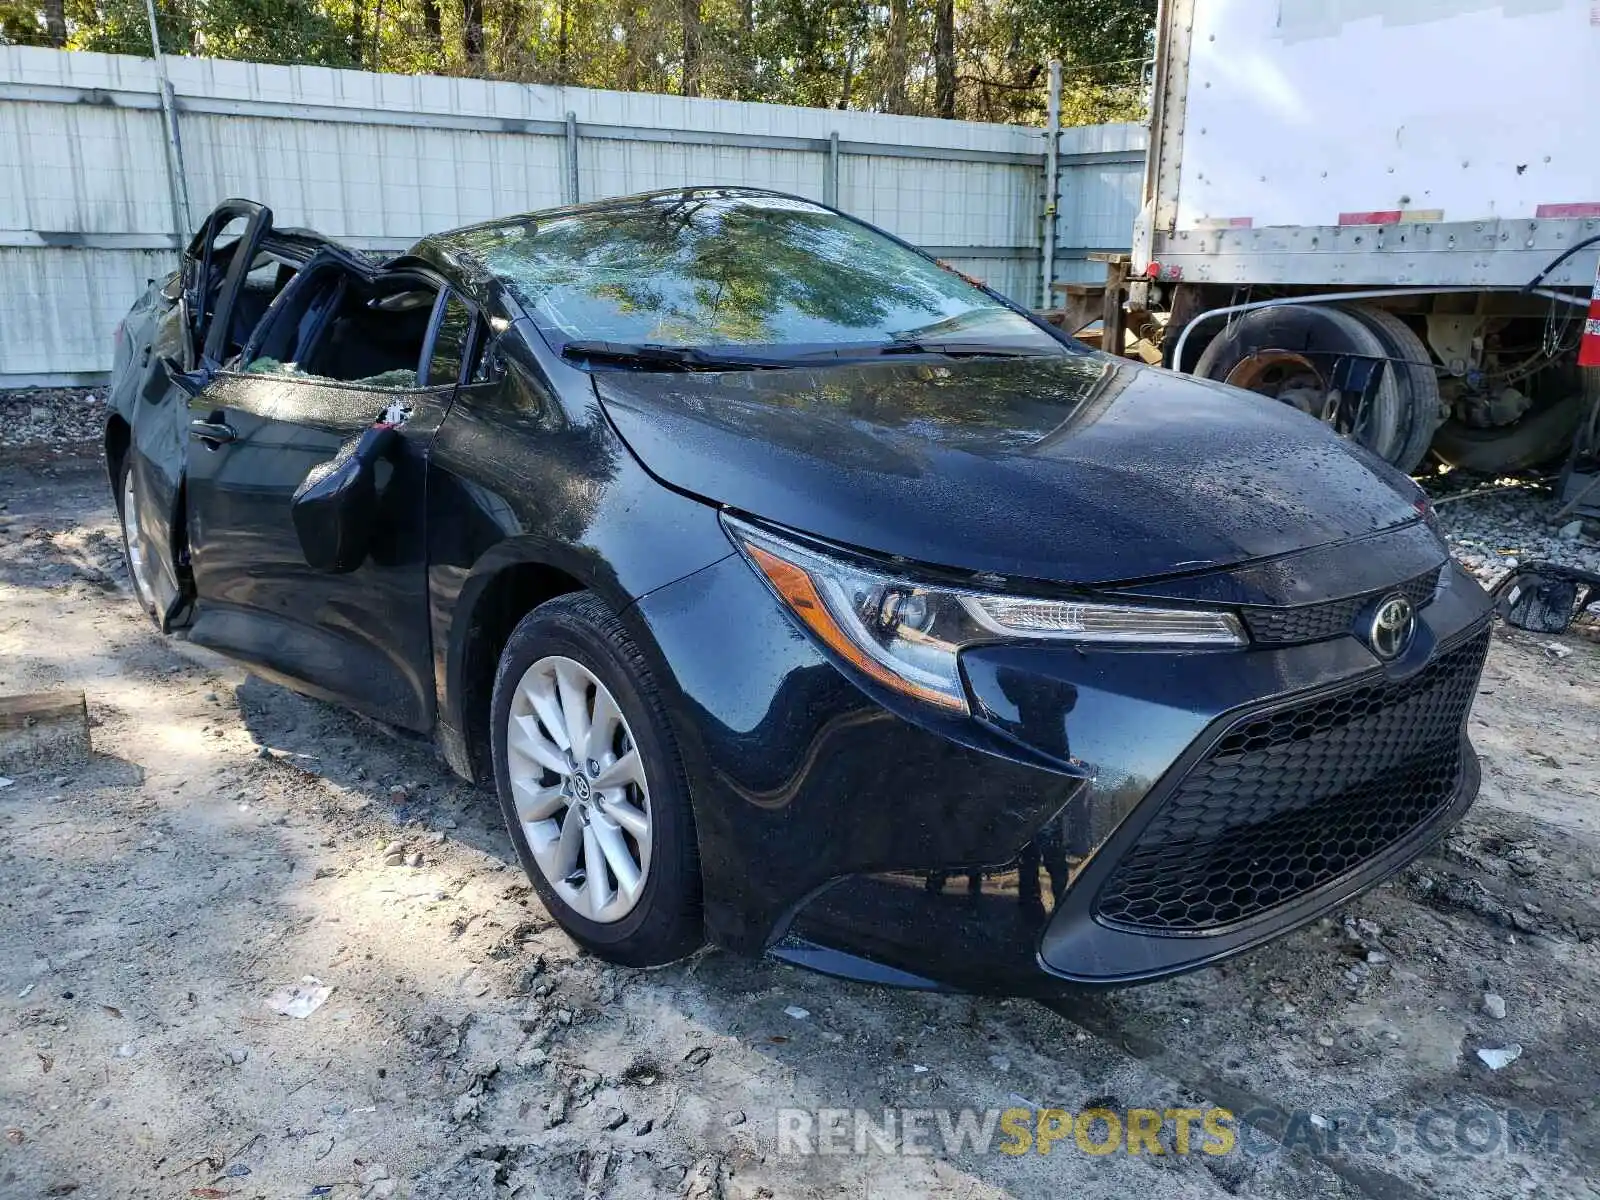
[1153, 271]
[1589, 346]
[1568, 210]
[1389, 216]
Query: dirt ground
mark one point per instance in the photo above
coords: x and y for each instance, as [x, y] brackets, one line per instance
[228, 840]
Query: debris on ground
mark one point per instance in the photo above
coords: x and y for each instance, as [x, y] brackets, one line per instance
[299, 1000]
[44, 729]
[1499, 1057]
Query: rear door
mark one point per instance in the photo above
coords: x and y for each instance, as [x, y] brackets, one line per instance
[362, 638]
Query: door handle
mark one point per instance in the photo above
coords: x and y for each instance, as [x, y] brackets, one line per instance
[212, 433]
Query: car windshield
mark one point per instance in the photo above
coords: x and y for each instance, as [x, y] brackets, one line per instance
[715, 269]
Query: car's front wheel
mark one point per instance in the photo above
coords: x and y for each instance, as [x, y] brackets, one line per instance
[592, 786]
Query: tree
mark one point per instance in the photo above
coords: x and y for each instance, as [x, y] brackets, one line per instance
[564, 72]
[270, 31]
[55, 22]
[20, 24]
[896, 56]
[691, 48]
[433, 26]
[973, 59]
[472, 34]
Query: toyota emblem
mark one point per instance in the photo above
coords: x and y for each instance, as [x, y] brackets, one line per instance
[1393, 623]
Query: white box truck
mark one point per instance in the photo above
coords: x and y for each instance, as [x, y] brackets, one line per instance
[1386, 212]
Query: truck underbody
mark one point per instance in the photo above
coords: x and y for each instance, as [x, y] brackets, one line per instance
[1411, 260]
[1486, 379]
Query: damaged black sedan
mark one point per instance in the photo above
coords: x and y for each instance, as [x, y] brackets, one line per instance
[796, 593]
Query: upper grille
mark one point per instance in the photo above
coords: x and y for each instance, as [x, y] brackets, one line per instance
[1288, 800]
[1313, 622]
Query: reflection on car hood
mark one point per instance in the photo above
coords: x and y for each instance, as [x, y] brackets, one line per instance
[1078, 469]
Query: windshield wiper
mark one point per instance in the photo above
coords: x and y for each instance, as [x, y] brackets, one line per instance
[654, 356]
[670, 358]
[956, 349]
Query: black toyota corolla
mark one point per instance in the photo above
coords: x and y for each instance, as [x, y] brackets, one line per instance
[796, 593]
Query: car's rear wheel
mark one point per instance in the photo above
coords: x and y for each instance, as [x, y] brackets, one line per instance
[592, 787]
[133, 548]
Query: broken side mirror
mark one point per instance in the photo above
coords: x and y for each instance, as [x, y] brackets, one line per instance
[335, 508]
[1544, 597]
[190, 383]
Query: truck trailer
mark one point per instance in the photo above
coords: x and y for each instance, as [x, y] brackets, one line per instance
[1385, 212]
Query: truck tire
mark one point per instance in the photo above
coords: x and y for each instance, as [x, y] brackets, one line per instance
[1539, 437]
[1413, 363]
[1263, 352]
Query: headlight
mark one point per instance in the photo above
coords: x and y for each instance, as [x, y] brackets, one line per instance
[906, 635]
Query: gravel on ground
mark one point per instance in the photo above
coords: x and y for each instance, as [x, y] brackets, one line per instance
[56, 420]
[1495, 525]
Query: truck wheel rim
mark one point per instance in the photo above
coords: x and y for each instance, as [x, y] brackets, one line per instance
[578, 784]
[137, 567]
[1294, 380]
[1271, 371]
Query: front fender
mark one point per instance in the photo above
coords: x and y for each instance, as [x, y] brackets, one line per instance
[524, 504]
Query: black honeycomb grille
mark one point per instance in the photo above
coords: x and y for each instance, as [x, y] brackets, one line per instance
[1314, 622]
[1288, 800]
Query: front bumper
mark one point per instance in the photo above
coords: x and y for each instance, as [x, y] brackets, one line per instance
[848, 829]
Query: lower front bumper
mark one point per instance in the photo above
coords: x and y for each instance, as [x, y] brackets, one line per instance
[1076, 948]
[1007, 931]
[902, 929]
[842, 828]
[1269, 819]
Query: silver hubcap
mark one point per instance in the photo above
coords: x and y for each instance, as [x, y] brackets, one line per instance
[579, 788]
[136, 563]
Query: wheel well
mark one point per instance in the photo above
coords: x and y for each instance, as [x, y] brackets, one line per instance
[118, 437]
[511, 595]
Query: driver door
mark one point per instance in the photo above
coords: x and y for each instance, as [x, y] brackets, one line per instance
[359, 638]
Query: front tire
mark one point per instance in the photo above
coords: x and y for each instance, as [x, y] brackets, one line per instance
[592, 786]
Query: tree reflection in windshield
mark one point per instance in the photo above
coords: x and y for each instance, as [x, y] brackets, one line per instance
[717, 268]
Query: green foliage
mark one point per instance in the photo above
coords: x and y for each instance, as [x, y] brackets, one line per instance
[21, 25]
[882, 56]
[270, 31]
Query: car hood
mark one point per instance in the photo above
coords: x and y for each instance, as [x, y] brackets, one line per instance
[1079, 469]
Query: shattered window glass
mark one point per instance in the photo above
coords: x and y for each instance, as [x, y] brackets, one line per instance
[714, 269]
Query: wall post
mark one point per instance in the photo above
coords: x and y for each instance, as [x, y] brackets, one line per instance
[1052, 188]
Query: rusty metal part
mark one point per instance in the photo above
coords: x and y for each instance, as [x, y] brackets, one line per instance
[1283, 375]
